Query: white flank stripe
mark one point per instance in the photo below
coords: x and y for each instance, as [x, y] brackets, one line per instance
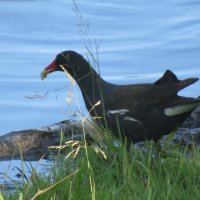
[119, 111]
[132, 119]
[177, 110]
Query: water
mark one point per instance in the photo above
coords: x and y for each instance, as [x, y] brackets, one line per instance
[137, 41]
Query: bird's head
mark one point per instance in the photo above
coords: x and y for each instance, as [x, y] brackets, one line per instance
[70, 60]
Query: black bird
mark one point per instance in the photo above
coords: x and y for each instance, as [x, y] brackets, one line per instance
[137, 111]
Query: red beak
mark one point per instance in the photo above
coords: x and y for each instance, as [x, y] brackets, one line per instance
[49, 69]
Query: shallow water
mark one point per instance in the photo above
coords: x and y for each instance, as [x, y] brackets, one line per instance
[137, 40]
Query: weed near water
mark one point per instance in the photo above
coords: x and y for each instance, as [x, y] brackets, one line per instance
[115, 171]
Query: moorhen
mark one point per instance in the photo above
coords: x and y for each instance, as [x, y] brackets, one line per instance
[137, 111]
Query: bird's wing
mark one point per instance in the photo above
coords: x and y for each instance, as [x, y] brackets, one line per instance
[168, 77]
[125, 122]
[141, 98]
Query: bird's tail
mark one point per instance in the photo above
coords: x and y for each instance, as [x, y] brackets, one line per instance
[185, 83]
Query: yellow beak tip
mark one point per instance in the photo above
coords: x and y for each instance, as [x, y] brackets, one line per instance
[44, 74]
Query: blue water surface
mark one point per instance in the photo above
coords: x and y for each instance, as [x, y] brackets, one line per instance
[136, 41]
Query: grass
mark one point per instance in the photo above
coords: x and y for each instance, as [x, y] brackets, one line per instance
[111, 171]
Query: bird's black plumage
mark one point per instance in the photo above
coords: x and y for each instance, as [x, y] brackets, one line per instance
[142, 111]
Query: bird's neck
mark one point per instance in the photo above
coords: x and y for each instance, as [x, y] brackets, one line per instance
[91, 85]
